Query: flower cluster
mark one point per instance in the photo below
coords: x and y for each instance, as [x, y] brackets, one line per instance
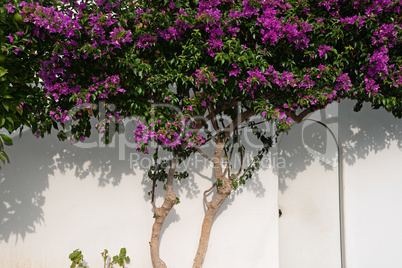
[279, 115]
[327, 4]
[10, 8]
[379, 63]
[204, 76]
[344, 82]
[107, 87]
[322, 50]
[397, 77]
[358, 20]
[108, 121]
[146, 40]
[255, 78]
[386, 33]
[50, 19]
[120, 36]
[169, 134]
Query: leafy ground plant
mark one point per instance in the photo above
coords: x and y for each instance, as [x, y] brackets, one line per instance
[77, 259]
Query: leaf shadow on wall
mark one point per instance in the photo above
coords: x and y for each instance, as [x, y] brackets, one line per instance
[25, 180]
[368, 131]
[22, 184]
[34, 161]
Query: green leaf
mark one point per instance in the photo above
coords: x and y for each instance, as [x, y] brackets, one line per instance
[7, 140]
[3, 71]
[9, 119]
[6, 156]
[235, 185]
[5, 105]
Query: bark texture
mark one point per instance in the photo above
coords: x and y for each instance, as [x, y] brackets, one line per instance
[224, 188]
[160, 216]
[212, 208]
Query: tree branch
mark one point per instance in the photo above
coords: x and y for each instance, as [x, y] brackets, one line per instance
[238, 121]
[204, 154]
[205, 195]
[299, 117]
[154, 178]
[213, 118]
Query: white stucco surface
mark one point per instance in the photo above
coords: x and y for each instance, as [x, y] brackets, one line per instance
[309, 229]
[56, 197]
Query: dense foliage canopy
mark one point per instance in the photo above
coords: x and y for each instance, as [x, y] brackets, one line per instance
[19, 63]
[272, 56]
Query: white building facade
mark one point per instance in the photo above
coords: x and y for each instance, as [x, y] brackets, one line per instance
[338, 210]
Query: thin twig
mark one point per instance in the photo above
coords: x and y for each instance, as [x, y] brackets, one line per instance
[253, 125]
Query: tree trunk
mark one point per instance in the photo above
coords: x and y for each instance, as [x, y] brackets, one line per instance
[160, 216]
[212, 208]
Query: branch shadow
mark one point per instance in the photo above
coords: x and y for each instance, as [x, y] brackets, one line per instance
[22, 184]
[34, 161]
[362, 133]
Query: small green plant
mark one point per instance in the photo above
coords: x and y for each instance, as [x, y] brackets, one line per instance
[77, 258]
[105, 257]
[120, 259]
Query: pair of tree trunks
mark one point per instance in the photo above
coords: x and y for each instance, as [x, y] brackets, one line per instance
[223, 191]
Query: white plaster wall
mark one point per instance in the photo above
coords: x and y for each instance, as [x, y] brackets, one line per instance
[373, 188]
[309, 229]
[56, 197]
[308, 194]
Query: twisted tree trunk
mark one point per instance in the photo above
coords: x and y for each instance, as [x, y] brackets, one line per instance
[213, 206]
[224, 188]
[160, 216]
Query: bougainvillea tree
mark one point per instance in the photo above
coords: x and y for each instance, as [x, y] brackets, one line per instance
[280, 60]
[19, 61]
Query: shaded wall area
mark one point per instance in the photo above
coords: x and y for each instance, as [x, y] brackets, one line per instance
[309, 228]
[56, 197]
